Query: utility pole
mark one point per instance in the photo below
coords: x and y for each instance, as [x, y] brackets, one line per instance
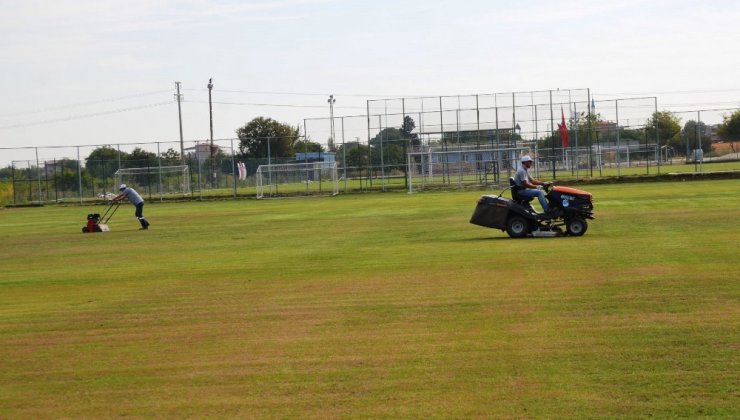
[179, 116]
[210, 111]
[210, 114]
[331, 118]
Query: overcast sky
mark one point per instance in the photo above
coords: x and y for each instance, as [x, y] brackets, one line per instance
[103, 71]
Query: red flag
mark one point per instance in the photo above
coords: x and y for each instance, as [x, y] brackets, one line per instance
[563, 128]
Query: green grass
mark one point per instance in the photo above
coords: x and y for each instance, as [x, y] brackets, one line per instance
[374, 305]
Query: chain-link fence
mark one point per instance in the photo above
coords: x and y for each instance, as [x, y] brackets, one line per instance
[405, 143]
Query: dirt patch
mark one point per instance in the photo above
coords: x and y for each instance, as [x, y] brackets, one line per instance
[726, 147]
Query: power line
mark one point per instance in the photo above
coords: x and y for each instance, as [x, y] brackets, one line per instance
[669, 92]
[255, 92]
[80, 104]
[82, 116]
[272, 105]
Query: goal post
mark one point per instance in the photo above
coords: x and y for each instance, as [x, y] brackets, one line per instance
[315, 178]
[164, 180]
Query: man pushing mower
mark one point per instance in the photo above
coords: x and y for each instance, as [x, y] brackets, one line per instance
[136, 200]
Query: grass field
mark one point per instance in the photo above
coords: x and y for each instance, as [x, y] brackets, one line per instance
[374, 306]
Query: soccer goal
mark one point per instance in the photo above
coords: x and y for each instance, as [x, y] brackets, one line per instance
[162, 180]
[297, 179]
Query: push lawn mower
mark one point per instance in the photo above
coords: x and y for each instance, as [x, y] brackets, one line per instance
[94, 219]
[569, 209]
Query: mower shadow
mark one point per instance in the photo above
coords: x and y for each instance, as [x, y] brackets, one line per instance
[497, 238]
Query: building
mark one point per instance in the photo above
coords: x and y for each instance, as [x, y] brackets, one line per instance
[202, 151]
[326, 157]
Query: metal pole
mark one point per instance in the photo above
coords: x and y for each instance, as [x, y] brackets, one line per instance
[38, 171]
[210, 111]
[382, 163]
[369, 152]
[79, 172]
[590, 146]
[405, 141]
[552, 136]
[459, 146]
[331, 121]
[269, 164]
[159, 163]
[575, 112]
[444, 141]
[536, 136]
[616, 110]
[179, 117]
[513, 118]
[657, 132]
[698, 141]
[233, 164]
[210, 117]
[12, 167]
[344, 157]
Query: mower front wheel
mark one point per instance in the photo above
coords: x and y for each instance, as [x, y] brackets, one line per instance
[517, 227]
[576, 226]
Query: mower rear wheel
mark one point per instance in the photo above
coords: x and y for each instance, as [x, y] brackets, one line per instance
[517, 227]
[576, 226]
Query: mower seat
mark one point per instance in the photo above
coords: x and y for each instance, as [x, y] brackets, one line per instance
[515, 193]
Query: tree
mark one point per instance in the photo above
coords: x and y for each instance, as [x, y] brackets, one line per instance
[392, 141]
[730, 127]
[301, 146]
[6, 173]
[103, 162]
[140, 158]
[255, 136]
[357, 155]
[688, 139]
[170, 157]
[407, 127]
[386, 135]
[668, 124]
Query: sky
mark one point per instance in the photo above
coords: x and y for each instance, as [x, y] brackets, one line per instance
[79, 73]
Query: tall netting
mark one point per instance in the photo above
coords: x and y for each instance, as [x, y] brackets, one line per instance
[478, 139]
[400, 143]
[297, 179]
[164, 180]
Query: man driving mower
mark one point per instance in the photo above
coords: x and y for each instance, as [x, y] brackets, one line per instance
[530, 187]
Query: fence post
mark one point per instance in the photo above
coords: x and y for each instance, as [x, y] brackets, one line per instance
[233, 165]
[79, 173]
[159, 172]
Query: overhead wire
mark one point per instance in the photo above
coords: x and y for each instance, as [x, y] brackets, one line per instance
[83, 116]
[81, 104]
[270, 105]
[279, 105]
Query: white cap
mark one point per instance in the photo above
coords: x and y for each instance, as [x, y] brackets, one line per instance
[123, 187]
[526, 158]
